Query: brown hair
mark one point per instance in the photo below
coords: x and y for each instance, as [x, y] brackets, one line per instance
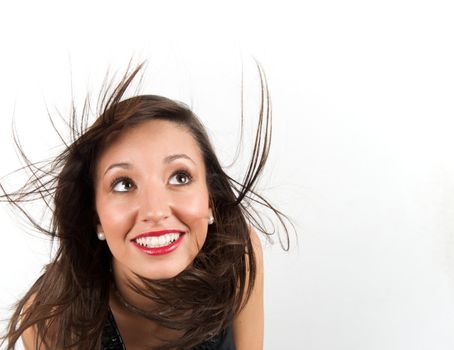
[70, 299]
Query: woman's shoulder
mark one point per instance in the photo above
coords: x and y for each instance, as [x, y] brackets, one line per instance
[30, 335]
[248, 325]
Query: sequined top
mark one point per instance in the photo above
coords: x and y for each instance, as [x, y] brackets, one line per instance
[111, 339]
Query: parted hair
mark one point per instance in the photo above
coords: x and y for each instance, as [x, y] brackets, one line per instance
[68, 304]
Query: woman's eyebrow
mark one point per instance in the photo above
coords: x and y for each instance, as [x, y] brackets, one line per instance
[173, 157]
[167, 159]
[119, 165]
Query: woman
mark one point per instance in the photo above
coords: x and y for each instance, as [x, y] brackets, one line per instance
[155, 250]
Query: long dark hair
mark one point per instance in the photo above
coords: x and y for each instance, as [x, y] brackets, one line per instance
[69, 302]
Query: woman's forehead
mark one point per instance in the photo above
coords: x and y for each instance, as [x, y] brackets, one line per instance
[159, 140]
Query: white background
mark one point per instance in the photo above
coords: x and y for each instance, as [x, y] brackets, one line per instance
[362, 156]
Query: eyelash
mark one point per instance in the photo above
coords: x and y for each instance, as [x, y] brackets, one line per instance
[182, 172]
[120, 179]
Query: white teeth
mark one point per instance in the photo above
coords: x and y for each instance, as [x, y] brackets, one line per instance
[156, 242]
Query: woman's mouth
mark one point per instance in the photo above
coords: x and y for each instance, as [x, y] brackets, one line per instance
[158, 242]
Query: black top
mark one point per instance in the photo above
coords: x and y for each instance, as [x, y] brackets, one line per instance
[111, 339]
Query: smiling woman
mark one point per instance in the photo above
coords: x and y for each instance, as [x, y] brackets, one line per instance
[156, 248]
[152, 202]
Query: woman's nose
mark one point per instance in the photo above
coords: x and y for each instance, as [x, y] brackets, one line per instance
[154, 204]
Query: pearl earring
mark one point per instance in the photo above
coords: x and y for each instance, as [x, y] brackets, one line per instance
[210, 220]
[101, 236]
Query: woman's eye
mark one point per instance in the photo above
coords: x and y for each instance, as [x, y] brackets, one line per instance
[180, 178]
[122, 185]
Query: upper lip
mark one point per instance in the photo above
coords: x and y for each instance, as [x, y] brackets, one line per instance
[157, 233]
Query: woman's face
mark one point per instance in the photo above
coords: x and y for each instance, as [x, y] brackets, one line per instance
[152, 200]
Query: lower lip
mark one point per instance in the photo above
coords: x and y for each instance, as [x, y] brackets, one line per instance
[160, 250]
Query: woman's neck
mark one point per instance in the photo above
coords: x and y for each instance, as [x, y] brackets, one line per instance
[137, 330]
[128, 298]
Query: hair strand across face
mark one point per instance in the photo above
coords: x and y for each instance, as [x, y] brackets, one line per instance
[69, 303]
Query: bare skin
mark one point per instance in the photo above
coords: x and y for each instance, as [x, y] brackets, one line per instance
[247, 327]
[141, 191]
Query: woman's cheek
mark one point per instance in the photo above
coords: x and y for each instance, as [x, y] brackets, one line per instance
[192, 206]
[117, 218]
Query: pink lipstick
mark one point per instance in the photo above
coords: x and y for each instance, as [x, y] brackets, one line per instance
[158, 242]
